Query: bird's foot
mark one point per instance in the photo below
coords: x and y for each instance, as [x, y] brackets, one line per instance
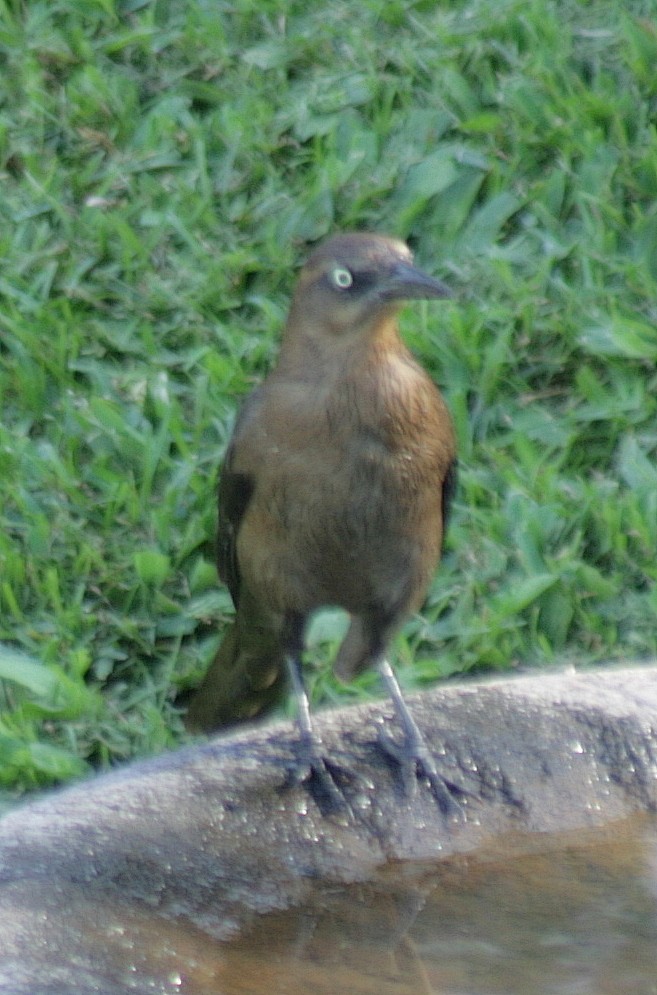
[330, 783]
[413, 757]
[415, 762]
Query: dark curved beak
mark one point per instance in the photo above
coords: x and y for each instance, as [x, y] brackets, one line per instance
[405, 282]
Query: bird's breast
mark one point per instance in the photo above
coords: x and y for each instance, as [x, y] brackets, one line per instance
[347, 507]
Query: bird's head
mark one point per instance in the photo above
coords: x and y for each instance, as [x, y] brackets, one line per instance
[351, 281]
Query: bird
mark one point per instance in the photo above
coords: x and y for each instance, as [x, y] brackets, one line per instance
[335, 491]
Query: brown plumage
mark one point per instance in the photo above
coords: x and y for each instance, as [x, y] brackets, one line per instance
[335, 488]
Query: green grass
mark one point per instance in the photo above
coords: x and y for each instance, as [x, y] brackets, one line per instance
[163, 169]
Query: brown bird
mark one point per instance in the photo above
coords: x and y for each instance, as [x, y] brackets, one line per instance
[335, 491]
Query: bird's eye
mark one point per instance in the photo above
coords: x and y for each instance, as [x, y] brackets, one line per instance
[341, 278]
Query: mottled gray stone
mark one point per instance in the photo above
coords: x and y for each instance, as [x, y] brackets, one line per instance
[211, 835]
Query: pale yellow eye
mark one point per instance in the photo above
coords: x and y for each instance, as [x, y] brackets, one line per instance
[342, 278]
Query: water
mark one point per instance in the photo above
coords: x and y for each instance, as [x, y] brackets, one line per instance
[556, 915]
[579, 917]
[568, 914]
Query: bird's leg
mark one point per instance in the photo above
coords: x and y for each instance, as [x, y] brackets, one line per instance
[413, 755]
[313, 766]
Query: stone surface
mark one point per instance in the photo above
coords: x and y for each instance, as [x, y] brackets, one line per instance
[214, 834]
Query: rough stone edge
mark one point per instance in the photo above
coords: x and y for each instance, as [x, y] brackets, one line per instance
[211, 833]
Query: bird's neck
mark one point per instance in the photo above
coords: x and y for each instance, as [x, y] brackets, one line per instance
[320, 357]
[360, 383]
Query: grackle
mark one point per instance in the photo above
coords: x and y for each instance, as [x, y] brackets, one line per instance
[335, 491]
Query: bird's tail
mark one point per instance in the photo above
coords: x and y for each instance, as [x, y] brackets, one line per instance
[246, 678]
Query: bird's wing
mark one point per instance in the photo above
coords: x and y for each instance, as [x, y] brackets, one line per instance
[449, 490]
[236, 487]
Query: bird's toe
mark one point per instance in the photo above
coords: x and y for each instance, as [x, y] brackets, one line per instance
[413, 763]
[334, 786]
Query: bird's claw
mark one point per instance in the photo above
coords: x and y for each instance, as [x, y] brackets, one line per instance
[415, 762]
[324, 778]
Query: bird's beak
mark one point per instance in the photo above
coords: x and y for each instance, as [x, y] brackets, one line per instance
[405, 281]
